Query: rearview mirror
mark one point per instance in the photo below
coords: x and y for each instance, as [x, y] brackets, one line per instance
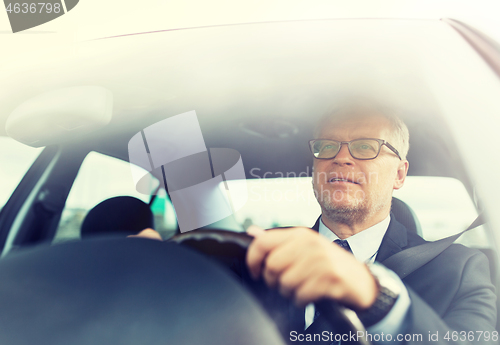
[59, 115]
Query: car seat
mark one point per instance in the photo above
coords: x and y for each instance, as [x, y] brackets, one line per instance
[122, 215]
[406, 216]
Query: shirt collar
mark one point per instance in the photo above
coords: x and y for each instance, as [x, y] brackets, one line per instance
[364, 244]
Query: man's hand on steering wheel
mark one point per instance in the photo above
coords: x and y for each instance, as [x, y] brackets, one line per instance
[305, 266]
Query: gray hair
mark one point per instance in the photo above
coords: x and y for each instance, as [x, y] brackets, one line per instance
[364, 108]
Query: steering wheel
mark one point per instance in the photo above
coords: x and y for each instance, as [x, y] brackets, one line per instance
[229, 248]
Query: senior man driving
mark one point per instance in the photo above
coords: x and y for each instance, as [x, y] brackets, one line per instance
[359, 159]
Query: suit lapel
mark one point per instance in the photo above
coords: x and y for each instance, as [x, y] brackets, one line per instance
[394, 241]
[316, 225]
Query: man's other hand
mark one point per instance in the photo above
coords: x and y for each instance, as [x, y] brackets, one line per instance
[307, 267]
[148, 233]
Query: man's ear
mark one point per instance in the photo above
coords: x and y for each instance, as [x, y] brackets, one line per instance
[401, 174]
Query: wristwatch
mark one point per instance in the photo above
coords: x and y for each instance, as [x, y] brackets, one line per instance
[388, 293]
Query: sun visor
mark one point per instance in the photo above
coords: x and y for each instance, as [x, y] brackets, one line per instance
[60, 115]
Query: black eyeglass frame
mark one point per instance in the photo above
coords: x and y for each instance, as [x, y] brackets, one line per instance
[381, 142]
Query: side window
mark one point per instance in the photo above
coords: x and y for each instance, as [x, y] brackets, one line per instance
[164, 212]
[443, 208]
[15, 160]
[102, 177]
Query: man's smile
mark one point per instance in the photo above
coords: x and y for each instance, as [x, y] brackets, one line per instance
[341, 180]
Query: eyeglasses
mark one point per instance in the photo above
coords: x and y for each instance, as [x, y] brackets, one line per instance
[358, 148]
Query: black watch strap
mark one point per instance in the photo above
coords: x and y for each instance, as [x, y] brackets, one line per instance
[388, 293]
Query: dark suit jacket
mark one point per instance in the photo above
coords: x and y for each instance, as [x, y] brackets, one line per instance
[451, 292]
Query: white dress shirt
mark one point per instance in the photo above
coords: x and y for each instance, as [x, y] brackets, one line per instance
[365, 246]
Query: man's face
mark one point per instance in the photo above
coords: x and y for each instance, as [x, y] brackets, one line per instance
[350, 190]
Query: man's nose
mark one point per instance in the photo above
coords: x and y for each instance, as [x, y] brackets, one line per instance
[344, 156]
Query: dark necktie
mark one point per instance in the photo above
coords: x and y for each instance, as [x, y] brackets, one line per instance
[344, 244]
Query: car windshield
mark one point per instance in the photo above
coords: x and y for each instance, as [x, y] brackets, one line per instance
[189, 131]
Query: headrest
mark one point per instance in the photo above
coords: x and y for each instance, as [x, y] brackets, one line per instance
[406, 216]
[119, 215]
